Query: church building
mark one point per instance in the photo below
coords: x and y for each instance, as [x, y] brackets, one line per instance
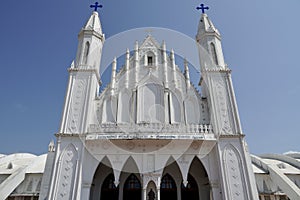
[150, 134]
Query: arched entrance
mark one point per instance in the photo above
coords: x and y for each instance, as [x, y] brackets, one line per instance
[198, 174]
[103, 175]
[191, 191]
[168, 189]
[132, 188]
[108, 190]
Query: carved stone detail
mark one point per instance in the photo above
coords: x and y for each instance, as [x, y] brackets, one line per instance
[76, 106]
[222, 107]
[155, 177]
[233, 173]
[67, 172]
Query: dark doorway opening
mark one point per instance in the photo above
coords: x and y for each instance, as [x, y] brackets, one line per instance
[132, 188]
[191, 191]
[168, 189]
[108, 190]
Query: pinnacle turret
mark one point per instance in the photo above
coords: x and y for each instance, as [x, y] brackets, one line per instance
[206, 27]
[94, 23]
[210, 45]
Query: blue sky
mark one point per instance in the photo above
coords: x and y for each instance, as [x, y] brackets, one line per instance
[38, 41]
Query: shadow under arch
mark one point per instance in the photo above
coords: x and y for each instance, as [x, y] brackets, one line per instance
[130, 181]
[103, 170]
[198, 172]
[191, 190]
[171, 180]
[108, 188]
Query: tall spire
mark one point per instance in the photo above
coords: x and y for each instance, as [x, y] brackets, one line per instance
[210, 46]
[206, 27]
[91, 40]
[173, 66]
[187, 74]
[94, 23]
[113, 75]
[165, 64]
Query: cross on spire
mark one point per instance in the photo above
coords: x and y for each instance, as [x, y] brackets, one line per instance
[202, 8]
[96, 6]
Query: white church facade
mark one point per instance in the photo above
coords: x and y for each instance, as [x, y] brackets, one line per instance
[150, 134]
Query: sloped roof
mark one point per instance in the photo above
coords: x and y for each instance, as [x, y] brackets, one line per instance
[11, 163]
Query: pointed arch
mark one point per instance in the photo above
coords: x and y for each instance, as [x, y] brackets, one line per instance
[151, 191]
[168, 188]
[198, 172]
[151, 102]
[132, 189]
[68, 166]
[191, 190]
[175, 107]
[130, 166]
[172, 168]
[233, 172]
[109, 110]
[103, 170]
[108, 188]
[150, 58]
[214, 53]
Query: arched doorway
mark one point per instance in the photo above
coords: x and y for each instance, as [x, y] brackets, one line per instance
[132, 188]
[191, 191]
[102, 174]
[168, 189]
[200, 176]
[108, 190]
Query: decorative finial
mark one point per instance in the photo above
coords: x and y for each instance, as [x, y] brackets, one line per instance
[202, 8]
[96, 6]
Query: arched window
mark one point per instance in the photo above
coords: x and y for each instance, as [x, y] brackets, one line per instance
[132, 188]
[168, 188]
[168, 182]
[86, 52]
[214, 53]
[150, 58]
[151, 103]
[109, 182]
[132, 182]
[108, 189]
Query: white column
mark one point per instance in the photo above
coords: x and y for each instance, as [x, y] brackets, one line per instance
[85, 191]
[165, 64]
[158, 193]
[179, 193]
[166, 105]
[173, 67]
[144, 194]
[113, 75]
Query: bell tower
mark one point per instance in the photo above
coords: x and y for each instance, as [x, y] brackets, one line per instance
[84, 79]
[236, 178]
[78, 113]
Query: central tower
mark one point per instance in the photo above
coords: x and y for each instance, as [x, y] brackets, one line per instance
[149, 134]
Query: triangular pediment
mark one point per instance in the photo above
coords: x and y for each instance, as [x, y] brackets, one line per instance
[149, 42]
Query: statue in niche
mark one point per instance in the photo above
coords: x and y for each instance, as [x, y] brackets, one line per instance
[151, 195]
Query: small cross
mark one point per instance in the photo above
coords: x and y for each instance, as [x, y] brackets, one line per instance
[202, 8]
[96, 6]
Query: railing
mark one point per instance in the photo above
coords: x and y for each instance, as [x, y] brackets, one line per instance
[150, 131]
